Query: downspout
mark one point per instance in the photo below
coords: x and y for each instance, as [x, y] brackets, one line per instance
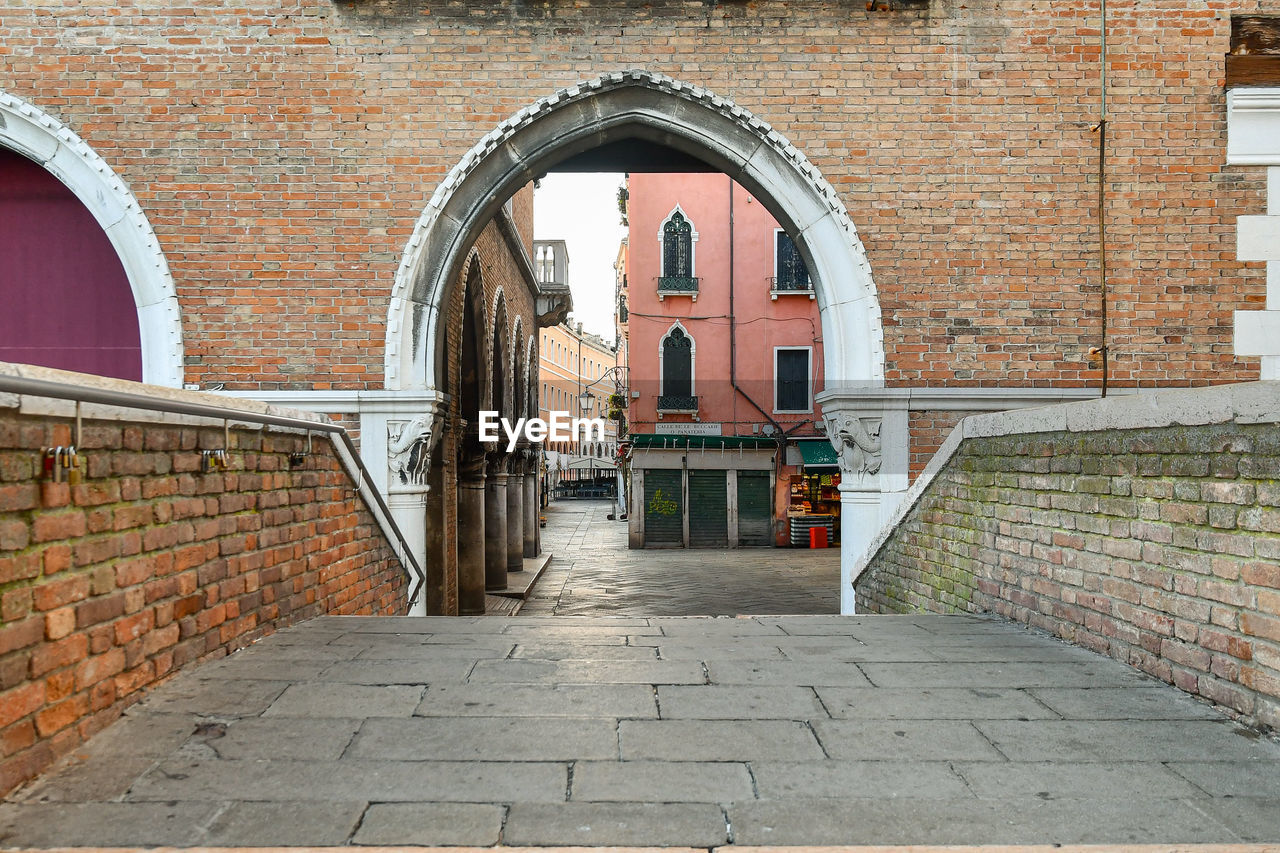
[1102, 195]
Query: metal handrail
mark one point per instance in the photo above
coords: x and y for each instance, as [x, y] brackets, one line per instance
[62, 391]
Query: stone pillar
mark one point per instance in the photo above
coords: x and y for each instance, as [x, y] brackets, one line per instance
[869, 433]
[515, 513]
[495, 524]
[436, 544]
[470, 533]
[410, 441]
[531, 512]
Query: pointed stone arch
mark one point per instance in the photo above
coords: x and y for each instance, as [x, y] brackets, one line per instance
[655, 108]
[41, 138]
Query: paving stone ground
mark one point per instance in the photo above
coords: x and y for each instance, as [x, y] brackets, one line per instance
[653, 730]
[594, 574]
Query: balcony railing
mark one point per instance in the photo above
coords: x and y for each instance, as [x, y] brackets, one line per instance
[677, 403]
[678, 285]
[793, 284]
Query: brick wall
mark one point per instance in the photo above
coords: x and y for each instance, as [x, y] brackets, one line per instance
[1157, 546]
[284, 150]
[148, 565]
[928, 429]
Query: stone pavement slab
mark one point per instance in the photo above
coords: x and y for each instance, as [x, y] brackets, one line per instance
[947, 703]
[606, 824]
[714, 702]
[911, 740]
[431, 824]
[486, 739]
[349, 701]
[661, 781]
[1060, 780]
[284, 824]
[1124, 703]
[841, 780]
[609, 701]
[587, 672]
[447, 744]
[717, 740]
[904, 821]
[1126, 740]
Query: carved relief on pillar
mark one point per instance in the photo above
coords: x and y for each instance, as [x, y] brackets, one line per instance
[409, 447]
[857, 442]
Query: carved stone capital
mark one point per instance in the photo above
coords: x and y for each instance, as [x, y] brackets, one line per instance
[857, 443]
[409, 446]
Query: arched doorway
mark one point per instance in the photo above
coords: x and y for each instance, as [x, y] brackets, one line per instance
[636, 105]
[652, 109]
[73, 225]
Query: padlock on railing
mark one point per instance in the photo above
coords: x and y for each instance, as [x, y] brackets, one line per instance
[213, 461]
[63, 464]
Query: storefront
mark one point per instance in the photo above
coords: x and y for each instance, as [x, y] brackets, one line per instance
[813, 492]
[701, 491]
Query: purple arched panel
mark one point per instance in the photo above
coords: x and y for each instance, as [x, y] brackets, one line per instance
[65, 300]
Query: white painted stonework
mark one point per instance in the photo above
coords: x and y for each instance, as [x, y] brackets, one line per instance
[1253, 139]
[43, 139]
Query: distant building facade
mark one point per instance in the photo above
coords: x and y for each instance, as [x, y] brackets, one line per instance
[575, 375]
[725, 350]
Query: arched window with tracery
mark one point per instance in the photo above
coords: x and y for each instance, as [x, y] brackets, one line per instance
[677, 372]
[677, 246]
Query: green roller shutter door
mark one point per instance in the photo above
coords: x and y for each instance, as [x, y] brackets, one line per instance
[755, 523]
[663, 509]
[708, 509]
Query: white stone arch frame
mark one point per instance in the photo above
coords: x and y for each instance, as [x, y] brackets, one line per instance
[656, 108]
[693, 359]
[693, 241]
[46, 141]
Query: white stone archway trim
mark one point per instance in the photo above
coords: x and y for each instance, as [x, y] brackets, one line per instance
[43, 139]
[688, 117]
[1253, 139]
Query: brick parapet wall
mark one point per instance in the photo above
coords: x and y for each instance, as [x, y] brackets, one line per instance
[147, 565]
[284, 151]
[1157, 545]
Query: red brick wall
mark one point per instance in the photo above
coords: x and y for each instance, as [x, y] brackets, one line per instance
[284, 150]
[148, 565]
[928, 430]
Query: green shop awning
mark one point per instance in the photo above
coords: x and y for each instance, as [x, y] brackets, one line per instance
[650, 441]
[817, 453]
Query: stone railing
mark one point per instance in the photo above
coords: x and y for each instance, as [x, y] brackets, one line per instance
[1144, 527]
[175, 538]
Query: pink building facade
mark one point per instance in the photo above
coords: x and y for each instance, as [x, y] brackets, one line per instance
[725, 350]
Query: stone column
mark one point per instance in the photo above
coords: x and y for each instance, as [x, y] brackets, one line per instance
[470, 533]
[410, 441]
[869, 433]
[531, 512]
[495, 523]
[436, 543]
[515, 513]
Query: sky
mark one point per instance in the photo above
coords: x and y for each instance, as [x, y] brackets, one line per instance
[582, 209]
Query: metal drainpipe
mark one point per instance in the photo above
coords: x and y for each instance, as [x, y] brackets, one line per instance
[1102, 195]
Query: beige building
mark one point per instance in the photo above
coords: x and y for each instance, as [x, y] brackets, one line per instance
[576, 374]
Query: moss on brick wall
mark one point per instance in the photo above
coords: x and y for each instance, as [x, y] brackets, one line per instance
[1159, 547]
[148, 565]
